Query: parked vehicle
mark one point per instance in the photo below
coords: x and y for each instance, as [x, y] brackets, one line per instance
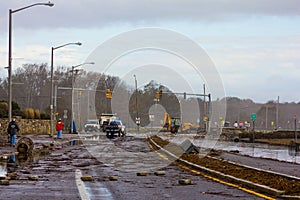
[92, 125]
[105, 118]
[115, 126]
[104, 125]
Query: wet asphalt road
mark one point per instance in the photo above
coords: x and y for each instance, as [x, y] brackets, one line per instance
[292, 169]
[58, 176]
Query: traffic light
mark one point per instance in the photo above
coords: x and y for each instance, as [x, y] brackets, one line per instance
[108, 94]
[157, 95]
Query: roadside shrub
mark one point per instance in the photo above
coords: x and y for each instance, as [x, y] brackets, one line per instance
[25, 114]
[28, 113]
[37, 114]
[4, 105]
[3, 109]
[45, 116]
[18, 113]
[15, 106]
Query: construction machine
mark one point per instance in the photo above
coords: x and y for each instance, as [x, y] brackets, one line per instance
[171, 124]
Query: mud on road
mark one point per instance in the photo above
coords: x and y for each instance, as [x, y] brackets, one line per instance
[285, 184]
[55, 178]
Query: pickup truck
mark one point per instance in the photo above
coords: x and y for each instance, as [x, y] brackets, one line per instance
[92, 125]
[114, 127]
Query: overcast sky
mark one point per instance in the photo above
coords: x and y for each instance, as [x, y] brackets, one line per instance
[255, 45]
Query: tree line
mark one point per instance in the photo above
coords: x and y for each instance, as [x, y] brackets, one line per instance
[31, 98]
[31, 85]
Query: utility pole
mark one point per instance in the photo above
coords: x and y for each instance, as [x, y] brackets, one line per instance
[74, 73]
[136, 105]
[10, 52]
[295, 124]
[266, 117]
[52, 83]
[204, 108]
[277, 113]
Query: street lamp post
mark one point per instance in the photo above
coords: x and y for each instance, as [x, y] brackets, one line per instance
[106, 101]
[136, 105]
[51, 91]
[267, 107]
[295, 126]
[10, 52]
[73, 80]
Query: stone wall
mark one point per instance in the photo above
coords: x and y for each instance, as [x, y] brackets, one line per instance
[27, 126]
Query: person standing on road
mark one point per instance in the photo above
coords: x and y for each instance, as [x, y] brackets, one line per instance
[59, 128]
[241, 124]
[12, 130]
[247, 125]
[235, 124]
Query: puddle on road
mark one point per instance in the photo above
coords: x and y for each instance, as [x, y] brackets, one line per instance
[3, 170]
[281, 153]
[76, 142]
[10, 163]
[7, 164]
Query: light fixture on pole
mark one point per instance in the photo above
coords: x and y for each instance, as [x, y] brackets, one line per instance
[10, 52]
[73, 80]
[51, 74]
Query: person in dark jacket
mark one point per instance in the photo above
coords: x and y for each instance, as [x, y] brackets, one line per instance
[12, 130]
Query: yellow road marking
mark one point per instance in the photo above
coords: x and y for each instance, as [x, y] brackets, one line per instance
[161, 155]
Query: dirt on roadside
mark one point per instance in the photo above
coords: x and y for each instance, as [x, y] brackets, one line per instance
[288, 185]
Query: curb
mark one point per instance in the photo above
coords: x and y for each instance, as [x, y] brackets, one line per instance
[290, 197]
[229, 178]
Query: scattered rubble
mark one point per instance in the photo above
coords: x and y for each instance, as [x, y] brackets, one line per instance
[288, 185]
[142, 173]
[87, 178]
[33, 178]
[113, 178]
[185, 182]
[4, 182]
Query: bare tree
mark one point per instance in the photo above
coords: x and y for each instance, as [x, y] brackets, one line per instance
[29, 83]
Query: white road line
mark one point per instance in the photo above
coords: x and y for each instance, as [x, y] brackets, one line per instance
[80, 185]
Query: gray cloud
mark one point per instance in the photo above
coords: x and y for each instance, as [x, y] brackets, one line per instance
[95, 13]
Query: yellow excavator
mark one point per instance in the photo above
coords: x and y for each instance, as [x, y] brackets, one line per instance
[171, 124]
